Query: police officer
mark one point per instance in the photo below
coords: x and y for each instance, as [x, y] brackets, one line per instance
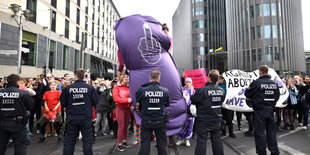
[208, 101]
[152, 100]
[264, 93]
[14, 104]
[78, 99]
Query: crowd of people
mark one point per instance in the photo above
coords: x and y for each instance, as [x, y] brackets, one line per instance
[113, 114]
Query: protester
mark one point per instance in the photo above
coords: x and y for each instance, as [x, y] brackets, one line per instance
[102, 110]
[208, 101]
[303, 90]
[111, 115]
[227, 114]
[123, 103]
[291, 104]
[37, 108]
[300, 109]
[264, 93]
[153, 100]
[52, 111]
[186, 133]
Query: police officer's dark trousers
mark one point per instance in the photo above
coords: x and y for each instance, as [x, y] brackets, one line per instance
[11, 128]
[72, 130]
[203, 128]
[264, 121]
[147, 128]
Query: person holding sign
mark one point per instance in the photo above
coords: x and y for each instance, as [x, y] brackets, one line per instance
[186, 133]
[264, 94]
[208, 101]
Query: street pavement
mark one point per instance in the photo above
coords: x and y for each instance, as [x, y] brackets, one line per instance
[291, 142]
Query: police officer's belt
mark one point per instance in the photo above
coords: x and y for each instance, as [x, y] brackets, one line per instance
[11, 118]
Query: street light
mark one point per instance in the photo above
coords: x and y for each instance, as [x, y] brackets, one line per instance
[27, 14]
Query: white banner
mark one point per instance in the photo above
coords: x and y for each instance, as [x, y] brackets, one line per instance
[236, 83]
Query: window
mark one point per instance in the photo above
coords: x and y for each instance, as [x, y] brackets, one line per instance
[274, 31]
[267, 31]
[79, 3]
[65, 58]
[199, 10]
[276, 53]
[93, 15]
[29, 41]
[268, 50]
[273, 9]
[260, 54]
[201, 24]
[77, 59]
[206, 23]
[92, 43]
[202, 37]
[252, 11]
[201, 50]
[86, 23]
[77, 35]
[53, 25]
[67, 29]
[85, 61]
[266, 9]
[93, 29]
[258, 10]
[86, 7]
[54, 3]
[253, 33]
[259, 32]
[253, 54]
[78, 16]
[52, 57]
[32, 6]
[68, 8]
[246, 14]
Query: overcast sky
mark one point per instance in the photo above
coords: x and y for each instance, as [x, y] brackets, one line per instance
[163, 11]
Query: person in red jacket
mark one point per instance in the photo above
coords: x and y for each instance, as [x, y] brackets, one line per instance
[123, 104]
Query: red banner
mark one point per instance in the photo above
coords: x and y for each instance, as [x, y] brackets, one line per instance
[198, 76]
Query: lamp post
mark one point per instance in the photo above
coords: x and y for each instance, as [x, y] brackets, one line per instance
[18, 19]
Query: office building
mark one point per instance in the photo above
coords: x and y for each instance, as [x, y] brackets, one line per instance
[199, 28]
[56, 29]
[267, 32]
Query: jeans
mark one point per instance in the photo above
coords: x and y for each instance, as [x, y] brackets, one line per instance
[122, 116]
[101, 117]
[306, 115]
[147, 128]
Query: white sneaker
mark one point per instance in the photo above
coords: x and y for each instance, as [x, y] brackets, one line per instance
[304, 127]
[187, 143]
[180, 142]
[299, 124]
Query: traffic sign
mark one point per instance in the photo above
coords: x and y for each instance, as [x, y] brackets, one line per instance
[8, 52]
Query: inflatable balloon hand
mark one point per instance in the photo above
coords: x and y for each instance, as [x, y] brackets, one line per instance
[143, 45]
[150, 53]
